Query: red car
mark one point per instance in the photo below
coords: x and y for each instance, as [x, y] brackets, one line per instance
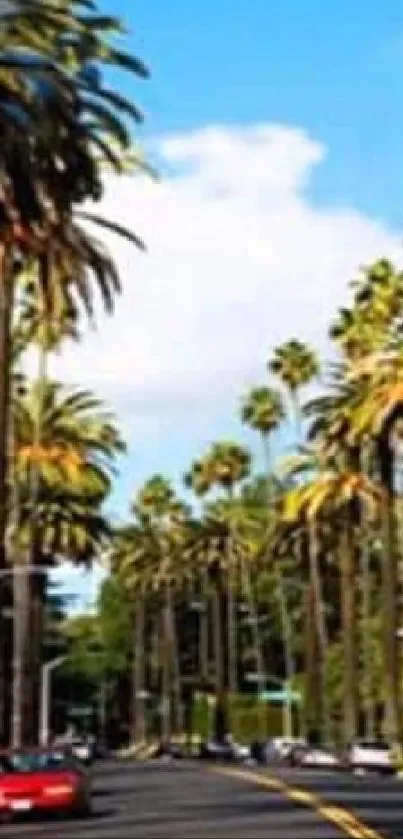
[42, 780]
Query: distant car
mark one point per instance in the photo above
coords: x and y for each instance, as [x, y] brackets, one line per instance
[282, 747]
[168, 751]
[228, 750]
[321, 757]
[83, 750]
[368, 755]
[42, 780]
[212, 750]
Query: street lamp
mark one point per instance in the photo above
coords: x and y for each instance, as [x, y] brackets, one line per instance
[46, 696]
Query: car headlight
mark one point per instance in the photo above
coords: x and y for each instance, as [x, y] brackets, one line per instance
[59, 789]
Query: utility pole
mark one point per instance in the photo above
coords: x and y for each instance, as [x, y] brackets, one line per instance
[46, 696]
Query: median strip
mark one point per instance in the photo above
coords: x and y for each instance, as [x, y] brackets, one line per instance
[340, 817]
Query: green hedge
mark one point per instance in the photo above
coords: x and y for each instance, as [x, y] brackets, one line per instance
[249, 718]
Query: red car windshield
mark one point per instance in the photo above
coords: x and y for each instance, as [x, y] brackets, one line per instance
[26, 762]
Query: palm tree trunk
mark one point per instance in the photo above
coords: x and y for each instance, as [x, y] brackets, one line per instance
[312, 699]
[391, 623]
[286, 628]
[36, 589]
[178, 718]
[139, 720]
[166, 668]
[348, 624]
[37, 592]
[320, 622]
[247, 585]
[203, 629]
[6, 308]
[155, 663]
[367, 674]
[20, 637]
[221, 703]
[231, 622]
[285, 620]
[366, 633]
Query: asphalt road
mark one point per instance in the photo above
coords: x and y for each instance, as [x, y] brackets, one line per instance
[187, 800]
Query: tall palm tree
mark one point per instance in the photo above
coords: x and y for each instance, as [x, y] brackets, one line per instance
[225, 465]
[78, 446]
[159, 505]
[134, 560]
[337, 491]
[379, 415]
[263, 410]
[53, 127]
[206, 558]
[295, 365]
[230, 465]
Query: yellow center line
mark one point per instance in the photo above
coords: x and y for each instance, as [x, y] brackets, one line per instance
[339, 816]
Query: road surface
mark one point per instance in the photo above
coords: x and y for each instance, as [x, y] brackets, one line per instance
[189, 800]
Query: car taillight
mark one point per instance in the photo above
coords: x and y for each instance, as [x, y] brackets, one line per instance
[59, 789]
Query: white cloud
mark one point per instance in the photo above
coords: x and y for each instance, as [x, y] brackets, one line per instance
[239, 258]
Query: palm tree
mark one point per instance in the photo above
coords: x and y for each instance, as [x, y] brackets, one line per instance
[225, 465]
[53, 127]
[78, 446]
[374, 380]
[157, 504]
[206, 558]
[295, 365]
[134, 560]
[230, 465]
[379, 415]
[263, 411]
[337, 492]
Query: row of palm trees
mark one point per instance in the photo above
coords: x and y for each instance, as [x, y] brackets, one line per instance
[313, 546]
[60, 126]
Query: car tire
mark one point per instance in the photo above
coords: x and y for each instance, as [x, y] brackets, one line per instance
[84, 811]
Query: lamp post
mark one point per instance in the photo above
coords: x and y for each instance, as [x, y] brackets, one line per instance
[46, 697]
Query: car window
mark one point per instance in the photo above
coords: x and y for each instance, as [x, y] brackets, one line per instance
[373, 744]
[25, 762]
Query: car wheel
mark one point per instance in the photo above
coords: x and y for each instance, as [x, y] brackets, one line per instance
[84, 811]
[5, 817]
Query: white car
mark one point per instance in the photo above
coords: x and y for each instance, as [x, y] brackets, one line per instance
[367, 755]
[241, 752]
[82, 750]
[314, 757]
[282, 746]
[319, 758]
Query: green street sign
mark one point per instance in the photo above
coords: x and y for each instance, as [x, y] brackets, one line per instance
[80, 711]
[280, 696]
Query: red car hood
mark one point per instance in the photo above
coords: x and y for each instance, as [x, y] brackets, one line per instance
[31, 784]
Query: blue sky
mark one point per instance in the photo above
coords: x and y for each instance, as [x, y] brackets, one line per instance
[328, 76]
[335, 68]
[283, 124]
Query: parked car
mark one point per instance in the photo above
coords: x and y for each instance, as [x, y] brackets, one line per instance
[168, 750]
[321, 757]
[368, 755]
[83, 749]
[281, 747]
[227, 750]
[42, 780]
